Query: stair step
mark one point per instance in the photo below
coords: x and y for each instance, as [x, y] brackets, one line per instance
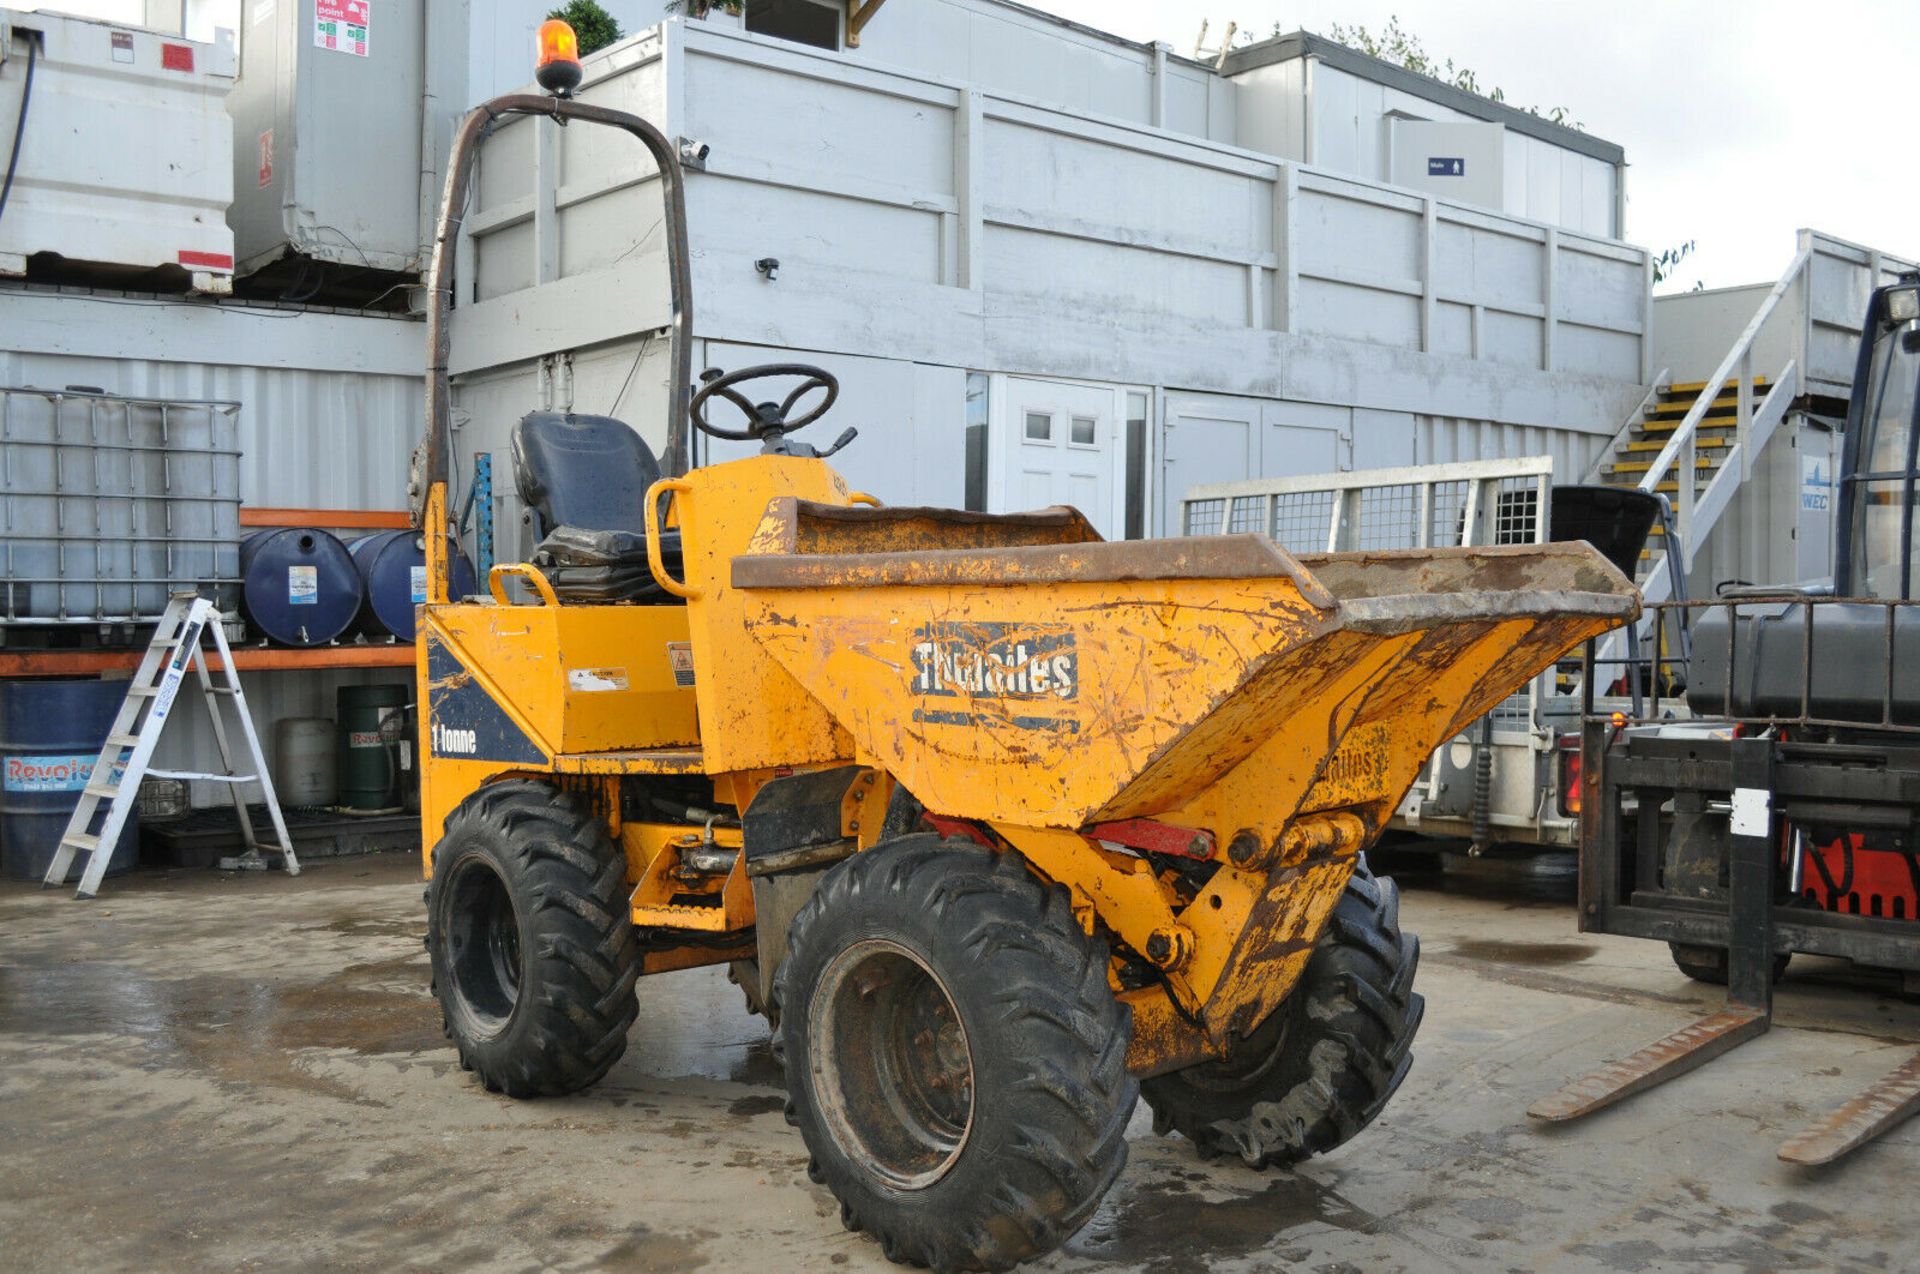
[1655, 444]
[1692, 388]
[1667, 426]
[1641, 466]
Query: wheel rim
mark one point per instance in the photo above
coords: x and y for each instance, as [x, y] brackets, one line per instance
[485, 963]
[891, 1064]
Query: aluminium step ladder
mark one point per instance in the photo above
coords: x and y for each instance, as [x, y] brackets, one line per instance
[124, 760]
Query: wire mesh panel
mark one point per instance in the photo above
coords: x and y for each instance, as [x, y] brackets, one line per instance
[1447, 522]
[1205, 517]
[1389, 518]
[1301, 519]
[108, 504]
[1475, 502]
[1247, 515]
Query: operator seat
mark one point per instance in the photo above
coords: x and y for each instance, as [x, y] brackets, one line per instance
[584, 480]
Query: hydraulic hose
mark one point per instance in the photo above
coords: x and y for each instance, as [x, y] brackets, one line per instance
[20, 123]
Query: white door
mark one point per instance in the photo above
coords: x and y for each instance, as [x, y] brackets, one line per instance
[1060, 443]
[1221, 438]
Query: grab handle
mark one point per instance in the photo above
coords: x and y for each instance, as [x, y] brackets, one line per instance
[497, 582]
[655, 561]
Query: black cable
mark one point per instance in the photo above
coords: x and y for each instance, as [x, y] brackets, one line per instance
[20, 124]
[1836, 890]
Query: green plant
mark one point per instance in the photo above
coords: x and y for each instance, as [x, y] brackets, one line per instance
[1394, 43]
[594, 26]
[701, 8]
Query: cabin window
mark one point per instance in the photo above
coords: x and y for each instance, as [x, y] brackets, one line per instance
[802, 21]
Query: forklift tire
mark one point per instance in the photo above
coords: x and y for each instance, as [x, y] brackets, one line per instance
[1709, 964]
[1326, 1061]
[955, 1058]
[534, 954]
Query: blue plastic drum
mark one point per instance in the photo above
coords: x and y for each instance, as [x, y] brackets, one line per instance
[50, 734]
[393, 571]
[299, 586]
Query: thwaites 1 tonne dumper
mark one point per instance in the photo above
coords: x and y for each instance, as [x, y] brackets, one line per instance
[1000, 825]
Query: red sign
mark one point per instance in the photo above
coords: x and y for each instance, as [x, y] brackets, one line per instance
[176, 57]
[266, 159]
[207, 260]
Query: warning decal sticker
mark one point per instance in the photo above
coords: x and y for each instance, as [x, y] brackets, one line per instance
[680, 656]
[341, 25]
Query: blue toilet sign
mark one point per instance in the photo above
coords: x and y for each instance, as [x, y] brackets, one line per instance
[1442, 166]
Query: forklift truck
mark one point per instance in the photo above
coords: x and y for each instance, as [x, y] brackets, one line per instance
[1784, 816]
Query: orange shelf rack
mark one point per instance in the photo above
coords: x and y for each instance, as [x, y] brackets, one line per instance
[90, 663]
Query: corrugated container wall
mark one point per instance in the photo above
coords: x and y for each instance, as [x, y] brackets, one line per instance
[333, 435]
[327, 117]
[124, 150]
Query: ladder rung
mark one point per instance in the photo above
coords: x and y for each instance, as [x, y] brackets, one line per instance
[223, 690]
[204, 778]
[142, 692]
[123, 740]
[101, 789]
[82, 840]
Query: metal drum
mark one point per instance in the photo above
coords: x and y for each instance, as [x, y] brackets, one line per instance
[376, 748]
[301, 588]
[305, 763]
[50, 734]
[393, 571]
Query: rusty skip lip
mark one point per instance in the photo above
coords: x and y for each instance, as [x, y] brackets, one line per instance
[1189, 558]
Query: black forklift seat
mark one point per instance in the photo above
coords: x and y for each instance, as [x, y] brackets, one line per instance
[584, 480]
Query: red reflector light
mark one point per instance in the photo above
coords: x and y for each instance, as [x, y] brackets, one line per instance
[1569, 785]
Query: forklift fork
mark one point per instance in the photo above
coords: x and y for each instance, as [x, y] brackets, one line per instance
[1749, 1008]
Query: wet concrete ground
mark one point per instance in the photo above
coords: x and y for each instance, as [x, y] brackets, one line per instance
[210, 1072]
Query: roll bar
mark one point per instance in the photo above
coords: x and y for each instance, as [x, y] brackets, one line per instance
[453, 200]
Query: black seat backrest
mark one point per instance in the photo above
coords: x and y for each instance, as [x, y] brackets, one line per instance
[590, 472]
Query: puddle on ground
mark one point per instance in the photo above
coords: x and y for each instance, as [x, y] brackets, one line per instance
[1536, 953]
[1167, 1225]
[238, 1030]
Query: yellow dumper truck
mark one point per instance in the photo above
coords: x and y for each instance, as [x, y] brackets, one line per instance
[1002, 826]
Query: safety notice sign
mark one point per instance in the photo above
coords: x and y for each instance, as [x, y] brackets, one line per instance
[342, 25]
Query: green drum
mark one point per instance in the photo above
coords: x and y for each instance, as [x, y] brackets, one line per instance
[376, 747]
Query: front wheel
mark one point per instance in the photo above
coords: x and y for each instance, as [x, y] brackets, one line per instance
[956, 1060]
[1324, 1063]
[534, 951]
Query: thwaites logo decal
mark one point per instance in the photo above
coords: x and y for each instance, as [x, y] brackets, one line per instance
[1022, 674]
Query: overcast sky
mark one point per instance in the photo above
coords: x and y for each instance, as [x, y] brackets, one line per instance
[1743, 120]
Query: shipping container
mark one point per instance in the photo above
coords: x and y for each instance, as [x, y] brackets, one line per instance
[122, 165]
[328, 147]
[327, 412]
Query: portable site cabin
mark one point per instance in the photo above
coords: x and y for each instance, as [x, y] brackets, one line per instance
[1049, 265]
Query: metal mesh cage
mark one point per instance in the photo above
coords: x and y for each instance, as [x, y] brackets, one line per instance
[1300, 520]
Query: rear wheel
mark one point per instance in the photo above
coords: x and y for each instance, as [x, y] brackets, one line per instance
[534, 953]
[955, 1058]
[1323, 1064]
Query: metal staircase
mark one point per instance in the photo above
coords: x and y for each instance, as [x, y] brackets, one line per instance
[1661, 414]
[1798, 346]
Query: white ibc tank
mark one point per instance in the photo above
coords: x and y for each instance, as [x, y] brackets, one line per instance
[126, 152]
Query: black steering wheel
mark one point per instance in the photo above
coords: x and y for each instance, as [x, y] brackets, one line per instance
[768, 417]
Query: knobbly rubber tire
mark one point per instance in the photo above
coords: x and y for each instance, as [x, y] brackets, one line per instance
[1709, 964]
[541, 864]
[1046, 1038]
[1325, 1063]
